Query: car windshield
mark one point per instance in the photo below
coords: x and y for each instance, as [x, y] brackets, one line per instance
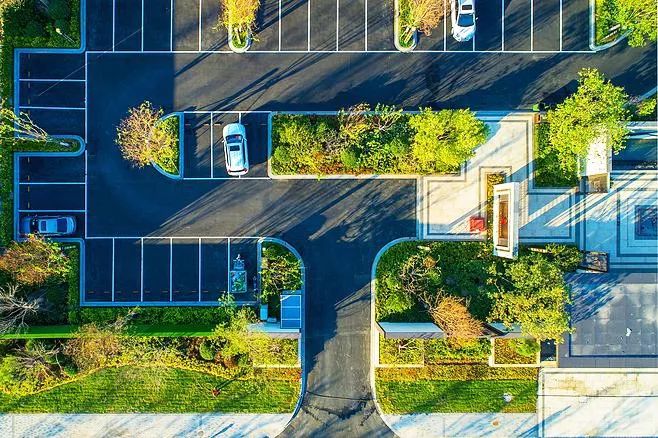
[465, 20]
[61, 225]
[235, 138]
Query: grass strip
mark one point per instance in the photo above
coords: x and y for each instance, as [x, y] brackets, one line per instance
[400, 397]
[157, 390]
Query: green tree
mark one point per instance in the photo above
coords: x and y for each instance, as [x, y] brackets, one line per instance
[445, 139]
[637, 17]
[596, 110]
[34, 260]
[537, 299]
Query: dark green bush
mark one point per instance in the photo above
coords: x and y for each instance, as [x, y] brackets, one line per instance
[439, 351]
[207, 350]
[526, 347]
[566, 257]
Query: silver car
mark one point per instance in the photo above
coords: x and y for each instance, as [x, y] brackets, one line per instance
[48, 225]
[235, 149]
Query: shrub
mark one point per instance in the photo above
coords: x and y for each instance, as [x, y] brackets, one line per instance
[526, 347]
[94, 347]
[456, 372]
[207, 350]
[438, 351]
[400, 351]
[33, 261]
[452, 315]
[566, 257]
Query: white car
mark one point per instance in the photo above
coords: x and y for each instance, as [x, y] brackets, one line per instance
[462, 15]
[48, 225]
[235, 149]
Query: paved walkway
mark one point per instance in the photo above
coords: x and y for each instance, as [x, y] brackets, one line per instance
[447, 202]
[141, 425]
[594, 402]
[463, 425]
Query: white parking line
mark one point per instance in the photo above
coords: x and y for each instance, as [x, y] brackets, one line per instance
[48, 183]
[560, 25]
[141, 32]
[112, 269]
[20, 210]
[200, 7]
[228, 265]
[532, 20]
[86, 228]
[212, 144]
[114, 14]
[337, 21]
[50, 80]
[171, 26]
[445, 26]
[199, 269]
[141, 270]
[308, 26]
[171, 269]
[280, 25]
[365, 45]
[502, 25]
[59, 108]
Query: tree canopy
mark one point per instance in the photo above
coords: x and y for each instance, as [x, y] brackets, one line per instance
[596, 110]
[637, 17]
[445, 139]
[537, 299]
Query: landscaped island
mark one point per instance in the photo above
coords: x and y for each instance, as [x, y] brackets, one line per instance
[386, 140]
[461, 287]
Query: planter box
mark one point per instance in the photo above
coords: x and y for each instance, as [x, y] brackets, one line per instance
[238, 49]
[398, 32]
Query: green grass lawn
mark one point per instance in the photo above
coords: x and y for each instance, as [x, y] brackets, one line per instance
[424, 396]
[160, 390]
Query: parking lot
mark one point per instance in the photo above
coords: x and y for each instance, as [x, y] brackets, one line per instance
[52, 186]
[204, 156]
[165, 270]
[335, 26]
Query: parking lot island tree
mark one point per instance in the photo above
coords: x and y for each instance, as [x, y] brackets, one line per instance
[239, 18]
[144, 139]
[445, 139]
[415, 16]
[537, 300]
[598, 109]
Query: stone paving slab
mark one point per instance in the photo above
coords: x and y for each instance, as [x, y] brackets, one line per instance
[141, 425]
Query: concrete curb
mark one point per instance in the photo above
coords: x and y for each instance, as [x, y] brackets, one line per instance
[374, 333]
[302, 339]
[236, 49]
[396, 31]
[592, 31]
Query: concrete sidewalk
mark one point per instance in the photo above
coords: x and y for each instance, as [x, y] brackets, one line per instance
[463, 425]
[141, 425]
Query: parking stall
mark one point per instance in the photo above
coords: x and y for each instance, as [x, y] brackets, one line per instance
[142, 270]
[291, 26]
[204, 156]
